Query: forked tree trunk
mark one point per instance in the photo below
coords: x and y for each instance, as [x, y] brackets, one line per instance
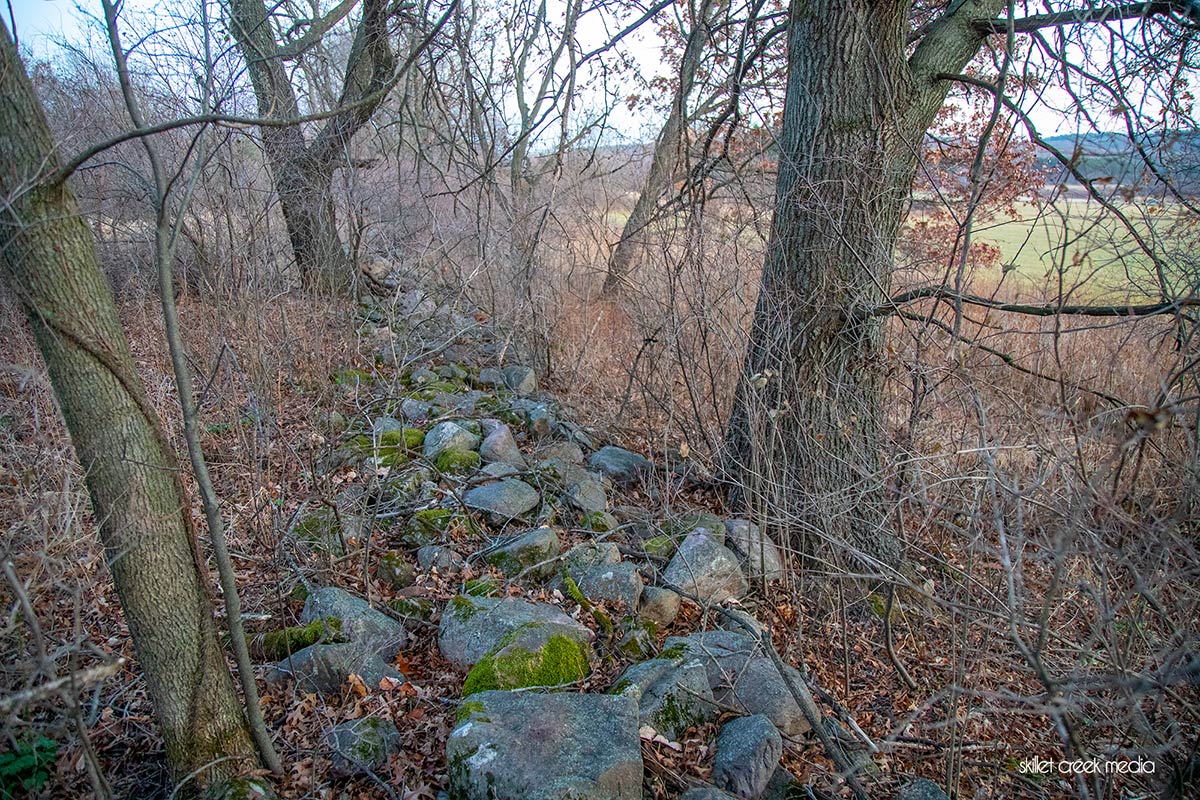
[805, 443]
[664, 162]
[303, 171]
[131, 475]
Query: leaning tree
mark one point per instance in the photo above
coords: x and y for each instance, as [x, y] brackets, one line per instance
[49, 263]
[866, 80]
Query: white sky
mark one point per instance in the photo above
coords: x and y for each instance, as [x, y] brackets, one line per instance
[39, 22]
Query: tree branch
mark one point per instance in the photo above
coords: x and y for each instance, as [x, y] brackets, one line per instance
[1084, 16]
[297, 47]
[1047, 310]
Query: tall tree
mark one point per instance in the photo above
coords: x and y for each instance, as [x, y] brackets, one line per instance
[131, 472]
[303, 170]
[664, 161]
[866, 79]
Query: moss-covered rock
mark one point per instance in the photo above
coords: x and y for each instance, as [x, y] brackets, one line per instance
[428, 526]
[660, 546]
[485, 586]
[599, 521]
[351, 377]
[361, 745]
[278, 645]
[321, 531]
[532, 655]
[681, 526]
[457, 462]
[531, 549]
[408, 608]
[393, 568]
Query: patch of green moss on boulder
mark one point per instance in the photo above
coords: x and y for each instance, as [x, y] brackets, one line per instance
[487, 586]
[599, 521]
[278, 645]
[321, 530]
[428, 526]
[457, 462]
[526, 658]
[412, 607]
[394, 568]
[663, 546]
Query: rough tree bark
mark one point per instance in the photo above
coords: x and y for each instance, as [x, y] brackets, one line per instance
[131, 473]
[303, 171]
[805, 440]
[664, 161]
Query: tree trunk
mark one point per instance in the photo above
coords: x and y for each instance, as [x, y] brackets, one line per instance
[664, 162]
[131, 474]
[805, 440]
[303, 172]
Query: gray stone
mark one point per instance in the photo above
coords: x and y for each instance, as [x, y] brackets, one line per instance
[530, 746]
[742, 677]
[361, 745]
[590, 554]
[921, 789]
[381, 425]
[490, 376]
[748, 751]
[443, 559]
[415, 410]
[659, 605]
[472, 626]
[539, 418]
[415, 303]
[521, 381]
[525, 550]
[502, 501]
[421, 376]
[324, 668]
[360, 623]
[672, 695]
[759, 555]
[448, 436]
[567, 451]
[705, 793]
[500, 446]
[706, 569]
[622, 467]
[784, 786]
[499, 469]
[612, 583]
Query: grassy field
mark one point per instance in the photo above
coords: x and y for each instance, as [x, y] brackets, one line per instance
[1089, 251]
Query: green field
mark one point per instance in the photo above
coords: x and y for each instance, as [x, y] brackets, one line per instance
[1090, 251]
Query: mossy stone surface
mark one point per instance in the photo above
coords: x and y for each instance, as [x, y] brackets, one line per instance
[394, 569]
[457, 462]
[660, 546]
[321, 530]
[535, 654]
[278, 645]
[412, 607]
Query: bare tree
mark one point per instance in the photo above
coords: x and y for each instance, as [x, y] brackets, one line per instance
[132, 473]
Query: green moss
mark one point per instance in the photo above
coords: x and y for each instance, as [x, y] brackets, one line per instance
[560, 661]
[403, 439]
[412, 607]
[394, 568]
[574, 593]
[468, 708]
[462, 607]
[457, 462]
[278, 645]
[428, 526]
[431, 391]
[678, 650]
[486, 586]
[321, 530]
[878, 607]
[351, 377]
[675, 714]
[662, 545]
[599, 521]
[684, 525]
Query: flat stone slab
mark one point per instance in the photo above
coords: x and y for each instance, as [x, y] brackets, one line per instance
[504, 500]
[471, 627]
[529, 746]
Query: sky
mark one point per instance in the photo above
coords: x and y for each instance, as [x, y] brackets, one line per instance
[39, 22]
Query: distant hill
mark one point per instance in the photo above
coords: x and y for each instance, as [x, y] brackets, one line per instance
[1113, 155]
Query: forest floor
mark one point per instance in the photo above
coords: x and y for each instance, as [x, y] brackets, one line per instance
[283, 387]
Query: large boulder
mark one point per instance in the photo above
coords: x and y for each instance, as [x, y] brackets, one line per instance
[672, 695]
[748, 751]
[361, 745]
[611, 583]
[499, 446]
[741, 676]
[472, 626]
[531, 549]
[759, 555]
[325, 668]
[706, 569]
[448, 436]
[502, 501]
[360, 623]
[621, 466]
[521, 381]
[531, 746]
[537, 654]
